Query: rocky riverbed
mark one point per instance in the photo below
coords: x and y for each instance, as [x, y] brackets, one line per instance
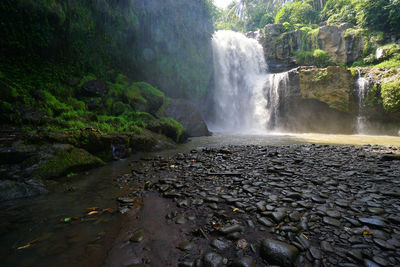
[294, 205]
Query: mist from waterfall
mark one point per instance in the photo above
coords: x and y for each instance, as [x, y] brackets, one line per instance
[245, 96]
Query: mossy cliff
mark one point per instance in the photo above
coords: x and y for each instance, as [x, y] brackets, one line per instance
[331, 85]
[94, 78]
[287, 47]
[328, 100]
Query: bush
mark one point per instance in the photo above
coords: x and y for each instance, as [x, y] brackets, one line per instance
[317, 57]
[391, 96]
[321, 58]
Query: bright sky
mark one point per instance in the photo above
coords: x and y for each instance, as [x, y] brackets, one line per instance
[222, 3]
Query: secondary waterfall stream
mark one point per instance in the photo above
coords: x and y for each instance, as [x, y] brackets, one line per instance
[362, 86]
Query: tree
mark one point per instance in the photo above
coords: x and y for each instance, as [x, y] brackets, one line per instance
[339, 11]
[297, 12]
[373, 14]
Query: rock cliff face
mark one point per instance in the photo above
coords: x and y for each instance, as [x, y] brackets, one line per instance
[331, 86]
[318, 100]
[327, 100]
[343, 46]
[278, 46]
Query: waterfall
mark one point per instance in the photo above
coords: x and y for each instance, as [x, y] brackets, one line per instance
[245, 98]
[362, 87]
[275, 90]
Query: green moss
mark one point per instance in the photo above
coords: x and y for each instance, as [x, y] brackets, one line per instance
[317, 57]
[119, 107]
[168, 127]
[394, 62]
[66, 159]
[122, 80]
[87, 78]
[76, 104]
[154, 97]
[390, 92]
[133, 96]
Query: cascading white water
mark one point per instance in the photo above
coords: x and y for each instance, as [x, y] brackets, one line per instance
[362, 86]
[274, 89]
[246, 99]
[240, 74]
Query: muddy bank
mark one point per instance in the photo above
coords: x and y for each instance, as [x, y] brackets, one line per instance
[300, 205]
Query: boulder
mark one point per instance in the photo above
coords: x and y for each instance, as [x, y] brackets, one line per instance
[187, 113]
[56, 160]
[94, 88]
[18, 189]
[277, 252]
[149, 141]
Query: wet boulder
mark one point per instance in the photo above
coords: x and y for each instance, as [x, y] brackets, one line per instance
[187, 113]
[94, 88]
[18, 189]
[277, 252]
[56, 160]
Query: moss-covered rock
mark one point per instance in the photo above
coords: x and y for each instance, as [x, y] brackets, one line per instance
[330, 85]
[391, 96]
[168, 127]
[149, 141]
[60, 159]
[154, 97]
[187, 113]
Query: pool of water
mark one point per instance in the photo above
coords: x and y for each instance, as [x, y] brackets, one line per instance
[34, 231]
[222, 139]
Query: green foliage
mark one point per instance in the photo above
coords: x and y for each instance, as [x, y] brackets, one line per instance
[168, 127]
[99, 36]
[52, 103]
[87, 78]
[297, 12]
[154, 97]
[317, 57]
[393, 62]
[339, 11]
[390, 92]
[380, 15]
[266, 19]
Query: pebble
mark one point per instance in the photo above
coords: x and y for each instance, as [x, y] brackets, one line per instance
[331, 221]
[213, 260]
[185, 246]
[180, 220]
[299, 195]
[243, 262]
[219, 244]
[264, 221]
[373, 222]
[138, 237]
